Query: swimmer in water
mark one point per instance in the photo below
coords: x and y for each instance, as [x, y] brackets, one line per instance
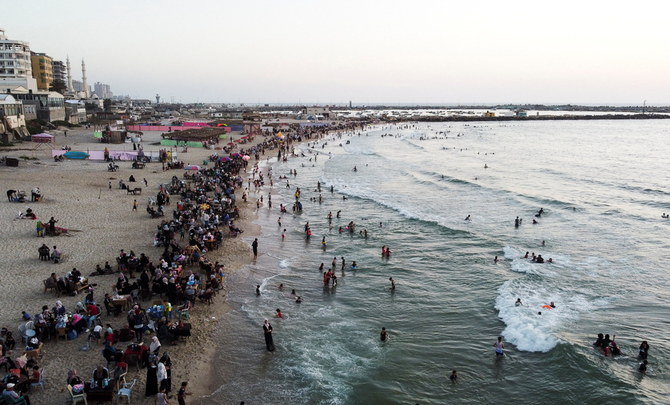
[298, 300]
[383, 335]
[467, 218]
[258, 289]
[495, 259]
[279, 314]
[518, 302]
[453, 377]
[551, 304]
[643, 367]
[281, 286]
[392, 283]
[499, 347]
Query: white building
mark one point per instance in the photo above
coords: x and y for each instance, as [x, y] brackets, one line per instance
[15, 64]
[102, 90]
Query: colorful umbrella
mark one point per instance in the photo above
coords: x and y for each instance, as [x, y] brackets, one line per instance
[192, 167]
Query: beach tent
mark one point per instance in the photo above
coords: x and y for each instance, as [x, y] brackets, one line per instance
[42, 140]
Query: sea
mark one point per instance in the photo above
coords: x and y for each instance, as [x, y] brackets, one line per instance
[602, 186]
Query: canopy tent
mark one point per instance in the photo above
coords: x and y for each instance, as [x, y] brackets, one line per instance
[43, 139]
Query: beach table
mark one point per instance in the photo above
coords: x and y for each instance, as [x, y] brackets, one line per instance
[99, 394]
[123, 301]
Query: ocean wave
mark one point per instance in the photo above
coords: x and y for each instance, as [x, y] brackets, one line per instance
[524, 326]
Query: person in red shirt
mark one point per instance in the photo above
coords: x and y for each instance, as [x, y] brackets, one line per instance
[93, 312]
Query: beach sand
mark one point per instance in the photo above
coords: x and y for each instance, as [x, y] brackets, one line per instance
[101, 222]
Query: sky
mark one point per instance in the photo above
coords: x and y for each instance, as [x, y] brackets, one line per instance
[391, 51]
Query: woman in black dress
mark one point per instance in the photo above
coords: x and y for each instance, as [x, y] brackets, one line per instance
[267, 330]
[152, 380]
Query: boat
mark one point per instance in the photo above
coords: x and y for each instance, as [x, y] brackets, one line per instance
[75, 154]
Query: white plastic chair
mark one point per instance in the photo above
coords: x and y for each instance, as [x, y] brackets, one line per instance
[125, 391]
[76, 397]
[40, 382]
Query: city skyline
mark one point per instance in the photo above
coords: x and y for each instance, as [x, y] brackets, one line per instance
[397, 52]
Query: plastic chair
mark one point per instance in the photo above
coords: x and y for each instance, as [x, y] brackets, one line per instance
[76, 397]
[39, 383]
[125, 391]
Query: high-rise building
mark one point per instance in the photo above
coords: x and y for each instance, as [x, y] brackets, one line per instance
[15, 64]
[102, 90]
[59, 71]
[43, 70]
[77, 86]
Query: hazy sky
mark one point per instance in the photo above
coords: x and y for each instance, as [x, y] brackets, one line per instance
[286, 51]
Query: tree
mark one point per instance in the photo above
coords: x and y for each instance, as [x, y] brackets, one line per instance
[107, 104]
[59, 86]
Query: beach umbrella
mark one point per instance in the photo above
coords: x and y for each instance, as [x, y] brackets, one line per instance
[231, 143]
[246, 157]
[192, 167]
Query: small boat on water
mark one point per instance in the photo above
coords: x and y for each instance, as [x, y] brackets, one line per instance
[75, 154]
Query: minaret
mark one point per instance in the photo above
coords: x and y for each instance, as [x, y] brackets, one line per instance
[83, 79]
[69, 76]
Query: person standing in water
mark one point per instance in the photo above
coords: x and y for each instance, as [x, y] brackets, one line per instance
[267, 331]
[499, 347]
[453, 377]
[254, 246]
[383, 335]
[392, 283]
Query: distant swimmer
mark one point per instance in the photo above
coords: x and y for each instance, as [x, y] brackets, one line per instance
[526, 256]
[486, 166]
[354, 266]
[355, 169]
[643, 367]
[517, 222]
[495, 259]
[535, 222]
[258, 289]
[383, 335]
[279, 314]
[518, 302]
[298, 300]
[392, 283]
[499, 347]
[467, 218]
[453, 377]
[644, 350]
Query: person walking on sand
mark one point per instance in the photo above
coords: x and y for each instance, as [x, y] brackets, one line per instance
[135, 205]
[254, 246]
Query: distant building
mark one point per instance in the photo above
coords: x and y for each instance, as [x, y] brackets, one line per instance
[15, 64]
[521, 113]
[12, 119]
[489, 114]
[228, 115]
[43, 71]
[75, 111]
[314, 111]
[47, 105]
[60, 72]
[102, 90]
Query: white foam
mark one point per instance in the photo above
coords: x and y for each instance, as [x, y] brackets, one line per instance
[529, 331]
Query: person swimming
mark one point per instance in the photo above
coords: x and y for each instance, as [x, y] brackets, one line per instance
[392, 283]
[518, 302]
[258, 289]
[643, 367]
[453, 377]
[467, 218]
[383, 335]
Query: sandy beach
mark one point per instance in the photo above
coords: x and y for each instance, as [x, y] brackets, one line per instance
[100, 223]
